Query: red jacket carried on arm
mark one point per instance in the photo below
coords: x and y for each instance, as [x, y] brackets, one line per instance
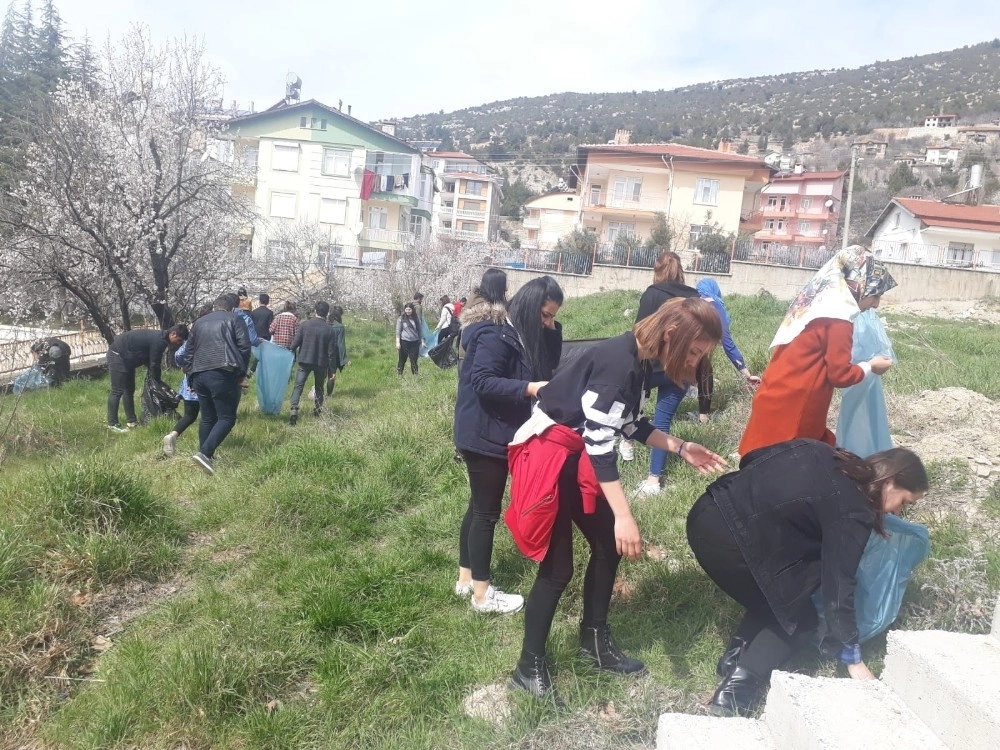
[535, 466]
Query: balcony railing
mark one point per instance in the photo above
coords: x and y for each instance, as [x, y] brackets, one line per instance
[529, 243]
[465, 213]
[459, 234]
[532, 222]
[614, 202]
[387, 236]
[936, 255]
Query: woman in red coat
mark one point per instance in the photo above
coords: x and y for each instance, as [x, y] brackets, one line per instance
[812, 352]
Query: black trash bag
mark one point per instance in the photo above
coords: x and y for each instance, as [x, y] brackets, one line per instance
[158, 400]
[444, 354]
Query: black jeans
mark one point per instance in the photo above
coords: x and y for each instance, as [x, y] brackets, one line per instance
[191, 409]
[769, 646]
[122, 389]
[556, 570]
[218, 396]
[411, 350]
[301, 376]
[487, 482]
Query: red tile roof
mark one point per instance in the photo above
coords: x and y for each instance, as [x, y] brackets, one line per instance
[937, 214]
[676, 150]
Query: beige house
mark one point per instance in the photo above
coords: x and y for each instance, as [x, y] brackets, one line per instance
[548, 218]
[467, 204]
[623, 187]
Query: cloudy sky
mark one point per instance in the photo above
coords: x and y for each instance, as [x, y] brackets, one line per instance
[394, 58]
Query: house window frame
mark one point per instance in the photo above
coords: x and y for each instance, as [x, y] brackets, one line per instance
[464, 226]
[281, 148]
[475, 187]
[283, 193]
[712, 197]
[630, 192]
[695, 233]
[616, 228]
[595, 195]
[337, 154]
[804, 227]
[381, 211]
[329, 211]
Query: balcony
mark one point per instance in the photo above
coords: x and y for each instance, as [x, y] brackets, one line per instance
[529, 243]
[532, 222]
[465, 213]
[615, 205]
[458, 234]
[387, 239]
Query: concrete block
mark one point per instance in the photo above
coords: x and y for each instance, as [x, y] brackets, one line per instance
[951, 681]
[687, 732]
[820, 713]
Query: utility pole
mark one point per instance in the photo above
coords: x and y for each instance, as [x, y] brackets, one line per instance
[850, 194]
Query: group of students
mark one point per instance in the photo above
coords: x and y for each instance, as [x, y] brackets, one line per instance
[795, 516]
[218, 356]
[413, 335]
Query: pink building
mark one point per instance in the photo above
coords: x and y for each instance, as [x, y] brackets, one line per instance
[800, 210]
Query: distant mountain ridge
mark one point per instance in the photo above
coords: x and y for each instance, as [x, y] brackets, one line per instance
[789, 107]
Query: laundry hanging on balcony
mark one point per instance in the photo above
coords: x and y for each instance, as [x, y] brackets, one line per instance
[368, 183]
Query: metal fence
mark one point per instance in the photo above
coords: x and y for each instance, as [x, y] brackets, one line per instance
[955, 255]
[15, 356]
[773, 254]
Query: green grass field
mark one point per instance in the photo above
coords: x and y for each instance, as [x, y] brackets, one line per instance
[301, 597]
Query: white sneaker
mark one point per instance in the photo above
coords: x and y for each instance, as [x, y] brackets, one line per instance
[645, 489]
[703, 418]
[499, 602]
[463, 590]
[169, 444]
[626, 450]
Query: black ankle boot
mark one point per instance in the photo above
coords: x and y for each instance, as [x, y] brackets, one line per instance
[597, 646]
[730, 657]
[738, 695]
[532, 674]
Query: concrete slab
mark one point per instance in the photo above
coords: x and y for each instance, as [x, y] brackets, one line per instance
[819, 713]
[687, 732]
[951, 681]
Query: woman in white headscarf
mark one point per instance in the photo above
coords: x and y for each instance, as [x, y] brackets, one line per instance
[812, 352]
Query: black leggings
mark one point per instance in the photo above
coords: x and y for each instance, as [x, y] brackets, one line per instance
[556, 570]
[122, 389]
[409, 349]
[191, 409]
[487, 482]
[718, 553]
[706, 384]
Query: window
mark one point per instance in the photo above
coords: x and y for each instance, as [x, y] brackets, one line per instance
[772, 201]
[417, 226]
[960, 253]
[595, 195]
[378, 217]
[286, 158]
[895, 219]
[250, 159]
[332, 211]
[626, 189]
[470, 226]
[283, 205]
[473, 187]
[277, 250]
[449, 187]
[620, 228]
[768, 223]
[425, 181]
[803, 227]
[781, 226]
[696, 233]
[707, 192]
[336, 162]
[303, 122]
[807, 202]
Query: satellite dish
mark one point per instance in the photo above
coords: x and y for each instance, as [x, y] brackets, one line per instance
[358, 227]
[829, 203]
[293, 80]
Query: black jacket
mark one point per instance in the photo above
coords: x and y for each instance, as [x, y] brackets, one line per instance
[262, 317]
[601, 395]
[219, 341]
[490, 404]
[656, 294]
[800, 523]
[315, 344]
[138, 348]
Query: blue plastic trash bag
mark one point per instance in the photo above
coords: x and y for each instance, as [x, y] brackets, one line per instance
[431, 338]
[863, 427]
[274, 365]
[884, 571]
[31, 380]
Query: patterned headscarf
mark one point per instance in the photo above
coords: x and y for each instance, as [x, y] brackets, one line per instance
[834, 292]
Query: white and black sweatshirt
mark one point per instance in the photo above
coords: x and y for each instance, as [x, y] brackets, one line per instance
[600, 396]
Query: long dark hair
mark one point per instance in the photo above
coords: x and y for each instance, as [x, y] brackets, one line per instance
[901, 466]
[493, 287]
[525, 311]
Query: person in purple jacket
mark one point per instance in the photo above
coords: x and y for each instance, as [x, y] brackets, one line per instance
[708, 289]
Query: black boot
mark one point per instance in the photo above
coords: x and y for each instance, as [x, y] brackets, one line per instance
[730, 657]
[532, 674]
[738, 695]
[597, 646]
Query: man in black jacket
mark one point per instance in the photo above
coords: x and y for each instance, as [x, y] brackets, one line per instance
[52, 355]
[130, 351]
[219, 352]
[316, 347]
[262, 315]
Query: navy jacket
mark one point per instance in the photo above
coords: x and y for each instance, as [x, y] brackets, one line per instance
[491, 404]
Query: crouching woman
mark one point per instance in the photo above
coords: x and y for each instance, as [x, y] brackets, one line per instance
[564, 472]
[797, 516]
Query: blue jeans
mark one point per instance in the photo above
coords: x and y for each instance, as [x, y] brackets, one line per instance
[218, 396]
[668, 398]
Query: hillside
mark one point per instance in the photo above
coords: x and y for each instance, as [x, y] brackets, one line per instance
[787, 108]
